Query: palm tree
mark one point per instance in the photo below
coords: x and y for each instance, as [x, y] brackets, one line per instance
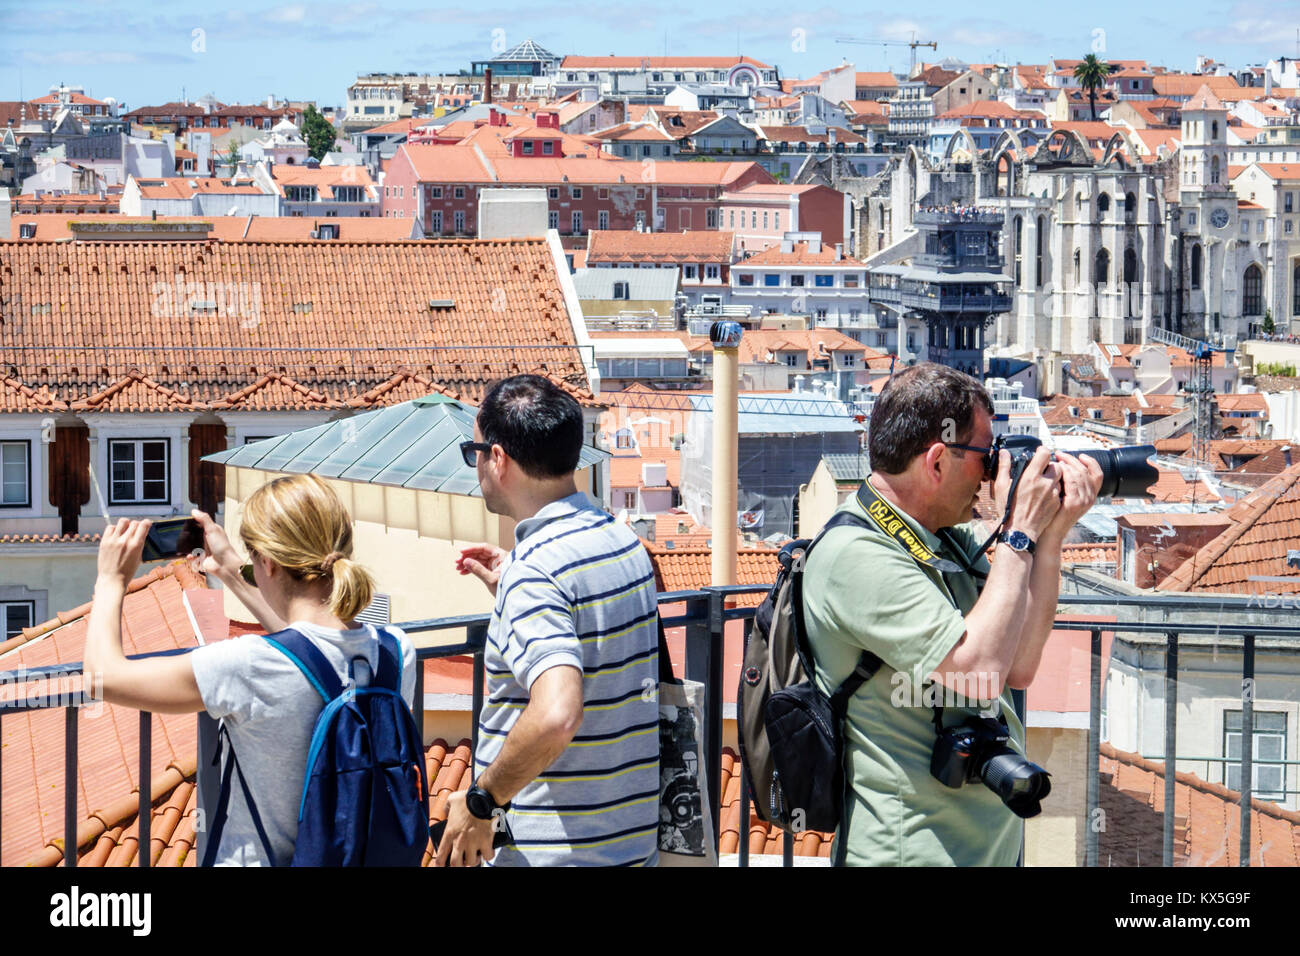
[1091, 74]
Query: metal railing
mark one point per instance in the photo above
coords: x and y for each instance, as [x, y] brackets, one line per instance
[704, 615]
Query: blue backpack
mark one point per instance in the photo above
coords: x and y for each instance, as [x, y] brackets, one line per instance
[365, 796]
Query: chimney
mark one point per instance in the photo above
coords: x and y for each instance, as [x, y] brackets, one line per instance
[839, 251]
[487, 85]
[1286, 455]
[1268, 81]
[798, 384]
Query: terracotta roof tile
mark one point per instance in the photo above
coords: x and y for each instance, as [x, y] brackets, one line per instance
[628, 245]
[1266, 526]
[762, 837]
[111, 339]
[154, 618]
[799, 255]
[690, 568]
[1207, 819]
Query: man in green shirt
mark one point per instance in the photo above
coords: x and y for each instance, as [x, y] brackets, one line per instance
[942, 638]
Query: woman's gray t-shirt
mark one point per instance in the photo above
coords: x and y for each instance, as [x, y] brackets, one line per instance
[270, 711]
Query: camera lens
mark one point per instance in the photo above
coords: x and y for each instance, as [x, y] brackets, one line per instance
[1125, 472]
[1019, 783]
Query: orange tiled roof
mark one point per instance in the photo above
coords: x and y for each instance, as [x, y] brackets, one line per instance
[876, 79]
[773, 256]
[628, 245]
[798, 134]
[154, 618]
[689, 568]
[228, 228]
[112, 340]
[324, 178]
[30, 538]
[1266, 524]
[763, 837]
[1207, 817]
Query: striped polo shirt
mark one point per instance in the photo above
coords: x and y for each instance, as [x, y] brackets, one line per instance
[579, 589]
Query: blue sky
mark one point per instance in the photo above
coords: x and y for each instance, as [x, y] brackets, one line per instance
[147, 52]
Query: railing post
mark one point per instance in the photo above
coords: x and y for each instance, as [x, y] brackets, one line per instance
[207, 779]
[1092, 834]
[1171, 743]
[418, 710]
[70, 785]
[704, 664]
[477, 634]
[1248, 742]
[144, 823]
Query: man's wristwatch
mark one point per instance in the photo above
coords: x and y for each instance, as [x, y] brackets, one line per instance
[480, 803]
[1017, 541]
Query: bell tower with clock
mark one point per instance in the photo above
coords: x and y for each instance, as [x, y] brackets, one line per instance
[1208, 206]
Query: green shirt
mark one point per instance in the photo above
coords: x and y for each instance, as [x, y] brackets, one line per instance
[862, 589]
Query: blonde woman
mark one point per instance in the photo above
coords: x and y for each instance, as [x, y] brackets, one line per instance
[304, 580]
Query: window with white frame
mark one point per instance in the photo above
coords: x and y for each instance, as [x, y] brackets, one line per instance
[553, 192]
[576, 221]
[712, 272]
[575, 192]
[620, 290]
[435, 192]
[458, 192]
[1267, 780]
[435, 220]
[458, 220]
[15, 474]
[602, 218]
[688, 271]
[553, 220]
[16, 615]
[138, 471]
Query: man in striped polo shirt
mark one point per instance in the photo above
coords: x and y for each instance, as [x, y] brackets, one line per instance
[569, 734]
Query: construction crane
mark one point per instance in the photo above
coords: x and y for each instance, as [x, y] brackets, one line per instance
[1201, 385]
[913, 43]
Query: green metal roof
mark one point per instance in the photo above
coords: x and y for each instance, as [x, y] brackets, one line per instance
[412, 445]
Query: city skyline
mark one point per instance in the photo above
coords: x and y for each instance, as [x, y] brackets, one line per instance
[314, 51]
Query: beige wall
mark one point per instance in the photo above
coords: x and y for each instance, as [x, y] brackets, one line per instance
[1056, 836]
[409, 541]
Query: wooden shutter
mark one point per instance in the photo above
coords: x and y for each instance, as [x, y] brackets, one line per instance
[207, 480]
[70, 474]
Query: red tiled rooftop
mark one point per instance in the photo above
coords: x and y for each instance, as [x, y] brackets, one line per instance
[1207, 817]
[628, 245]
[107, 341]
[1266, 524]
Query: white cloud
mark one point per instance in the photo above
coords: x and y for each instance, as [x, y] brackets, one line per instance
[293, 13]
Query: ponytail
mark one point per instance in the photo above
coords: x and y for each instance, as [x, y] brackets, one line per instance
[353, 589]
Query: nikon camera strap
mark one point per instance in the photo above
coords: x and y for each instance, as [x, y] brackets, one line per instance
[893, 524]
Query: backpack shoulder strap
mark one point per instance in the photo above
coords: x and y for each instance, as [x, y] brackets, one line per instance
[868, 662]
[389, 674]
[307, 658]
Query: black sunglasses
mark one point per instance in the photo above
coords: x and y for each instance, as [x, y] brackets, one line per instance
[246, 572]
[469, 449]
[985, 453]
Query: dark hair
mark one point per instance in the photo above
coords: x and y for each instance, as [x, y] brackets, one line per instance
[919, 406]
[535, 422]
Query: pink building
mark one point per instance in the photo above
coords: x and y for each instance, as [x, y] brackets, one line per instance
[440, 185]
[761, 213]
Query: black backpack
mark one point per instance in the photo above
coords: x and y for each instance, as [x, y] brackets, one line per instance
[790, 733]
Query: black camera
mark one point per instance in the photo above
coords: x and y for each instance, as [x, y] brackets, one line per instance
[977, 750]
[1125, 471]
[172, 538]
